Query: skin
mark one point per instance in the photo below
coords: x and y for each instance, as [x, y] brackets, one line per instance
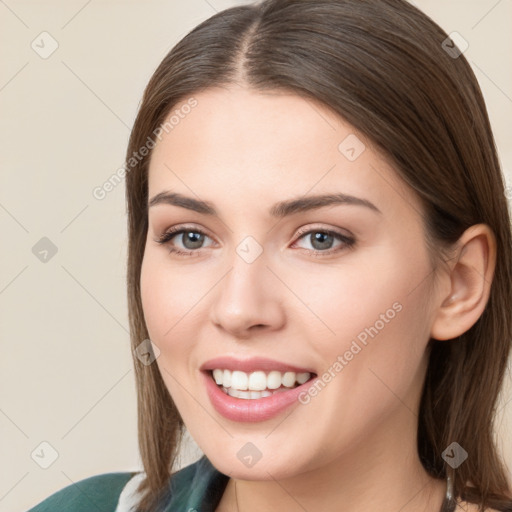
[355, 442]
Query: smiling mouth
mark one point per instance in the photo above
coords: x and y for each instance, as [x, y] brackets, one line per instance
[258, 384]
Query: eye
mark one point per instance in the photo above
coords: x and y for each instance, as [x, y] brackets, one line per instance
[322, 240]
[191, 239]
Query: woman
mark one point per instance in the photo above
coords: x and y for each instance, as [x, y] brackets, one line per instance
[320, 254]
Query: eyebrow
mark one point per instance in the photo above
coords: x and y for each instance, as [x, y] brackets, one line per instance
[279, 210]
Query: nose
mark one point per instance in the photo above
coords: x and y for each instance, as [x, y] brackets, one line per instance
[247, 300]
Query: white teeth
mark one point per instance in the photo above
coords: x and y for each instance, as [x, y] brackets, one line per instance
[258, 382]
[303, 377]
[218, 376]
[248, 395]
[239, 380]
[239, 394]
[289, 379]
[274, 380]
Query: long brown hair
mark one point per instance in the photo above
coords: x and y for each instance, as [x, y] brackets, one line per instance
[383, 67]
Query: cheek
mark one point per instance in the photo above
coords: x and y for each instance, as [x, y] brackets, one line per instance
[376, 289]
[373, 369]
[378, 322]
[154, 300]
[167, 305]
[167, 297]
[166, 302]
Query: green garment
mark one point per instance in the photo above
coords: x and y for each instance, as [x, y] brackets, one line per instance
[195, 488]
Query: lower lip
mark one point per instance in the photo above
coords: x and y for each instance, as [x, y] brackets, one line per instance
[251, 410]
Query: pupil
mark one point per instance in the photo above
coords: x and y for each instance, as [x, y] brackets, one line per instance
[322, 237]
[196, 239]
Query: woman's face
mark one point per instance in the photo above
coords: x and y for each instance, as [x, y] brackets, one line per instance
[280, 286]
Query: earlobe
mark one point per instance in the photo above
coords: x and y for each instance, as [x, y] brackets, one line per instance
[469, 283]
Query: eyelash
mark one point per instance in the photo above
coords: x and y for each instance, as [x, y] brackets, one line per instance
[166, 237]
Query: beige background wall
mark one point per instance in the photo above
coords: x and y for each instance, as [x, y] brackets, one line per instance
[66, 375]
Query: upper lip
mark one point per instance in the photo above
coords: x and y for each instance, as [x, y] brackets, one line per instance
[251, 364]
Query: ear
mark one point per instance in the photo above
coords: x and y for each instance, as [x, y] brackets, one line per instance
[467, 283]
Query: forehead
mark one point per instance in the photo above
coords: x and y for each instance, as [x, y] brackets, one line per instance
[238, 145]
[260, 126]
